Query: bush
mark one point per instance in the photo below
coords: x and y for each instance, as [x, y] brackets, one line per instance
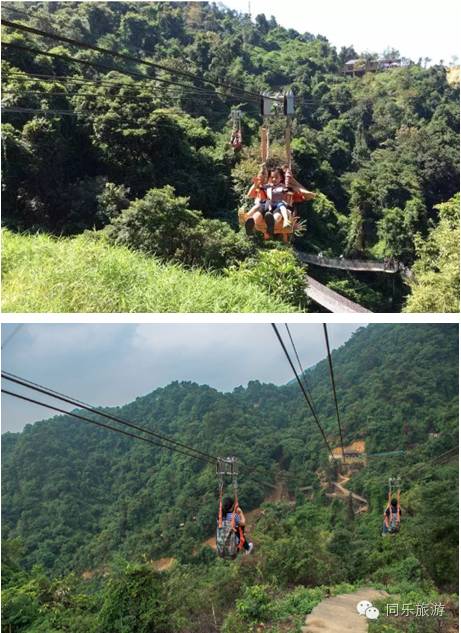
[162, 224]
[300, 602]
[112, 200]
[154, 224]
[134, 601]
[255, 604]
[21, 605]
[407, 569]
[278, 272]
[212, 244]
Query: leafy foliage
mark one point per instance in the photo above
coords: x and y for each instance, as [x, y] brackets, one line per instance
[278, 271]
[79, 499]
[162, 224]
[435, 287]
[381, 150]
[86, 274]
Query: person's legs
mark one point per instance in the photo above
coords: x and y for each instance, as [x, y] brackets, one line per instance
[245, 540]
[255, 208]
[254, 215]
[249, 226]
[270, 222]
[286, 216]
[247, 545]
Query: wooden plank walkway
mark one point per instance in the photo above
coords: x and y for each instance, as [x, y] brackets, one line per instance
[330, 299]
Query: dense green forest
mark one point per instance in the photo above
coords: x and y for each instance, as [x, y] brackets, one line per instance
[141, 155]
[86, 512]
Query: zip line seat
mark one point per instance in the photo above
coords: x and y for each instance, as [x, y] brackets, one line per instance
[296, 194]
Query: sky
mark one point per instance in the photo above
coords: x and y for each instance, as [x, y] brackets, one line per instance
[417, 29]
[112, 364]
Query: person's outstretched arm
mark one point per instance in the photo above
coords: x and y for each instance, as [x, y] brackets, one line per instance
[242, 517]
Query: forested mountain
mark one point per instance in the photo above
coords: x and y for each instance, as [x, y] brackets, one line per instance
[77, 499]
[145, 156]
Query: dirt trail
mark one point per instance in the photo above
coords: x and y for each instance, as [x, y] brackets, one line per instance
[345, 493]
[339, 614]
[162, 564]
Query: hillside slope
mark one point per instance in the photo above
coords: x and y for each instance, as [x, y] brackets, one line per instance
[76, 494]
[380, 150]
[83, 274]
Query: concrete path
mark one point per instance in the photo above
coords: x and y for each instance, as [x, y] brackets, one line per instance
[339, 614]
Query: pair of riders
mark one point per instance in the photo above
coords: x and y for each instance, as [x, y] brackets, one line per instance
[271, 190]
[392, 514]
[231, 530]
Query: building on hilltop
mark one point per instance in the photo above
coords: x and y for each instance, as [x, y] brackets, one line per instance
[358, 67]
[353, 453]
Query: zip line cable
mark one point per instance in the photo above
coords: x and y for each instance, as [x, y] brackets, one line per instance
[65, 94]
[8, 110]
[52, 111]
[124, 99]
[142, 100]
[73, 401]
[85, 62]
[184, 73]
[104, 67]
[23, 77]
[169, 69]
[446, 454]
[274, 327]
[139, 100]
[194, 90]
[59, 396]
[304, 379]
[71, 90]
[99, 65]
[218, 84]
[100, 424]
[142, 50]
[145, 100]
[13, 333]
[332, 377]
[129, 58]
[303, 376]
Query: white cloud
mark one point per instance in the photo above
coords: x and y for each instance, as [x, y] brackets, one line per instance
[111, 364]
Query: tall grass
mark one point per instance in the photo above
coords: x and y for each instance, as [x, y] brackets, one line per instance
[84, 274]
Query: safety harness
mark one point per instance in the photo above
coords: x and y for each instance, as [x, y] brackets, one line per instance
[227, 546]
[236, 140]
[392, 522]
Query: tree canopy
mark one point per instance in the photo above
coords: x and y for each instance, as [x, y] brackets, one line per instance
[87, 511]
[382, 148]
